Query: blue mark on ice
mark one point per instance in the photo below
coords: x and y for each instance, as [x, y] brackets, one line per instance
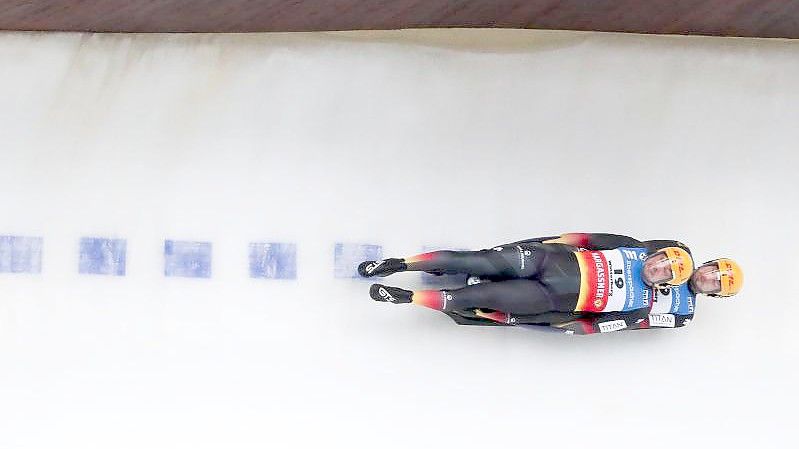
[273, 260]
[348, 255]
[102, 256]
[20, 254]
[446, 280]
[187, 259]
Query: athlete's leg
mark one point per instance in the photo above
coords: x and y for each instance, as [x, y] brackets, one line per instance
[514, 297]
[519, 261]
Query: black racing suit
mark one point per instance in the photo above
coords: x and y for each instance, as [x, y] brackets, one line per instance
[534, 281]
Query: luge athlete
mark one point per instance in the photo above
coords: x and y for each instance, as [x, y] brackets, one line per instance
[669, 308]
[550, 280]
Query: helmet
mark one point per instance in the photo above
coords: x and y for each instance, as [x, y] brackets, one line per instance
[680, 263]
[729, 274]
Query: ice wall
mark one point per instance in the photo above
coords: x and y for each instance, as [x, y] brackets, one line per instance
[180, 215]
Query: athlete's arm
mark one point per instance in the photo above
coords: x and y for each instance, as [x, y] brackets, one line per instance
[599, 323]
[569, 322]
[602, 241]
[596, 241]
[591, 241]
[605, 322]
[655, 245]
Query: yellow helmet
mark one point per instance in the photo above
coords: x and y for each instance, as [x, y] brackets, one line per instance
[730, 276]
[680, 262]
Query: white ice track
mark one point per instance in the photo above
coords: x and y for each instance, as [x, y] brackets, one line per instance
[402, 139]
